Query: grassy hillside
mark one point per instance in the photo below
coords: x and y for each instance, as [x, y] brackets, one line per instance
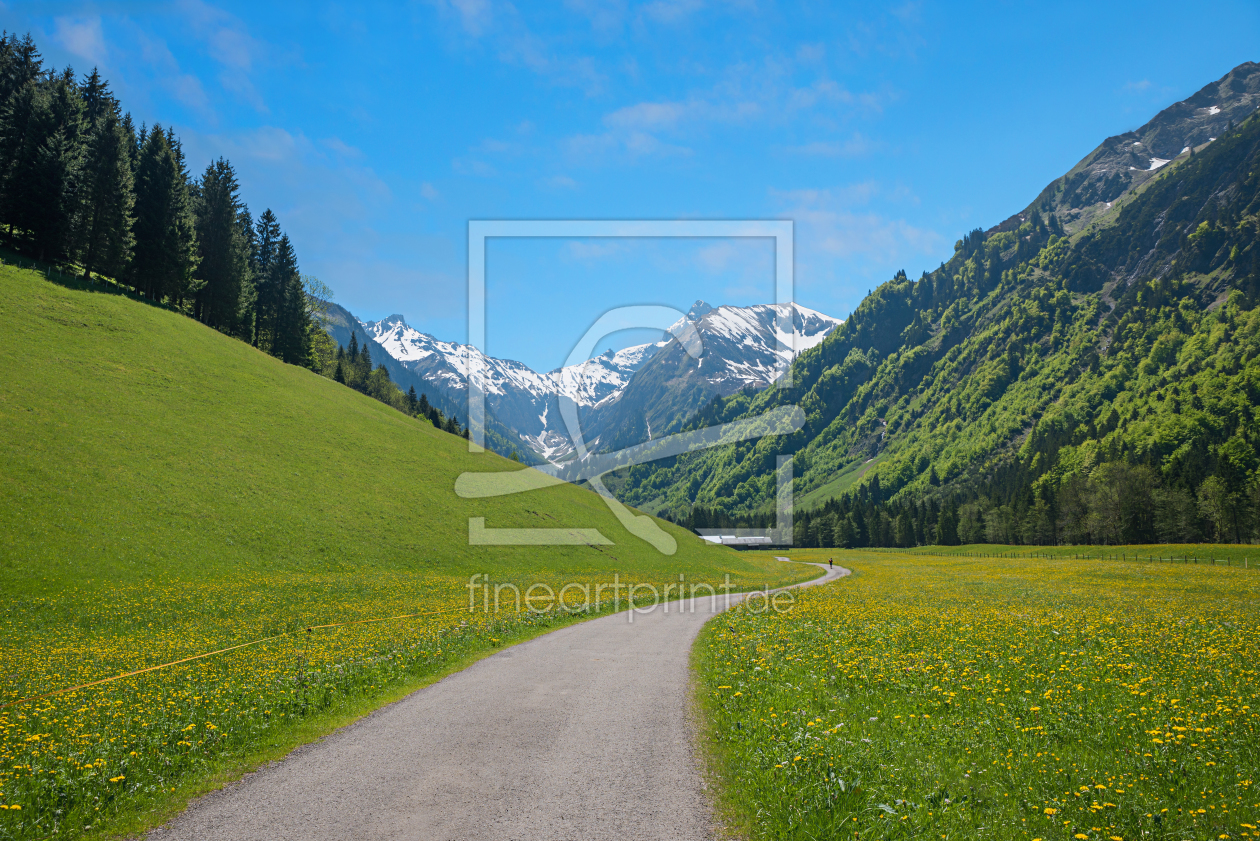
[990, 698]
[166, 491]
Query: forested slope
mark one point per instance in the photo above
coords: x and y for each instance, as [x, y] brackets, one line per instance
[1068, 376]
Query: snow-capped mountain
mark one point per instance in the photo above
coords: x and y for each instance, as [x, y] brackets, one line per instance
[516, 395]
[615, 401]
[741, 347]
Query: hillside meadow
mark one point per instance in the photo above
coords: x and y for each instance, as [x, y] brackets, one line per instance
[968, 697]
[166, 491]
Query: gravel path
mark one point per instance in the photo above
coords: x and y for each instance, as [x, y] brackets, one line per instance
[579, 734]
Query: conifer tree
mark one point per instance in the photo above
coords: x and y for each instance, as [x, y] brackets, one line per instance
[104, 236]
[249, 286]
[223, 265]
[290, 340]
[164, 258]
[266, 295]
[44, 131]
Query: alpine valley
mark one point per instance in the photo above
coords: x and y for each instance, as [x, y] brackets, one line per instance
[1087, 370]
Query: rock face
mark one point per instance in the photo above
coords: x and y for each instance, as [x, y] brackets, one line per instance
[1122, 163]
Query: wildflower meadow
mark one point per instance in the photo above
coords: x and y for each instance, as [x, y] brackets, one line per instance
[991, 698]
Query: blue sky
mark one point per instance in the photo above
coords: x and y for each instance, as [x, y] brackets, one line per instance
[375, 131]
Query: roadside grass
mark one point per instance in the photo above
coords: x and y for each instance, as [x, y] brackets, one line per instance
[990, 698]
[166, 491]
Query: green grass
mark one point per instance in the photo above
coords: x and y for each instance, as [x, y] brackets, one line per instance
[168, 491]
[844, 480]
[1221, 554]
[990, 698]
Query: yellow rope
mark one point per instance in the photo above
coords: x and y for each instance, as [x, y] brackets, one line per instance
[210, 654]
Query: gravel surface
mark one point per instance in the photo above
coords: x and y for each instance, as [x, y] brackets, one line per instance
[579, 734]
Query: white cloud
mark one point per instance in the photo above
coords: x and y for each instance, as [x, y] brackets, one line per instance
[562, 182]
[473, 166]
[855, 146]
[811, 53]
[429, 192]
[185, 87]
[647, 115]
[82, 37]
[270, 143]
[593, 249]
[671, 11]
[502, 26]
[340, 147]
[231, 45]
[476, 16]
[830, 224]
[606, 16]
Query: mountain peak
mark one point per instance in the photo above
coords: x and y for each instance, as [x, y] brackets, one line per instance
[698, 310]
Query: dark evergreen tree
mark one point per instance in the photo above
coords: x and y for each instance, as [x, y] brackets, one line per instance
[104, 237]
[290, 330]
[44, 135]
[266, 293]
[223, 265]
[165, 255]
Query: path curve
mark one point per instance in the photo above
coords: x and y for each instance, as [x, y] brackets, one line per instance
[581, 733]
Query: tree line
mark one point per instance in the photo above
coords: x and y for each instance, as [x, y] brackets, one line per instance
[1116, 503]
[82, 187]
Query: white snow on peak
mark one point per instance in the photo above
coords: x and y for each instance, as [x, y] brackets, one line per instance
[1214, 110]
[751, 350]
[1156, 163]
[585, 383]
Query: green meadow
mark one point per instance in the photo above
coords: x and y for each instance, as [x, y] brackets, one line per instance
[167, 491]
[989, 696]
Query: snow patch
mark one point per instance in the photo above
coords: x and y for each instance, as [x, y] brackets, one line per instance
[1156, 163]
[1214, 110]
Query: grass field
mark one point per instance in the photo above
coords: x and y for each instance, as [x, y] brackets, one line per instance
[991, 698]
[166, 491]
[1242, 555]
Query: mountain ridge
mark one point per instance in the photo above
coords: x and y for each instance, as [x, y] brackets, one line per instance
[1032, 374]
[742, 350]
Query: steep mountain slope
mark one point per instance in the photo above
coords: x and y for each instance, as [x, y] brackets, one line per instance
[623, 397]
[1027, 362]
[1127, 161]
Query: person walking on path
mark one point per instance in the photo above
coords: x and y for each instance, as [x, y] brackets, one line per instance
[831, 562]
